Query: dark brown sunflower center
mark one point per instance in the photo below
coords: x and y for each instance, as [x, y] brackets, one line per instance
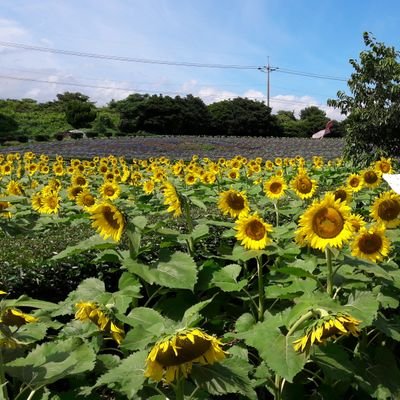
[389, 209]
[186, 351]
[76, 190]
[235, 201]
[255, 230]
[275, 187]
[304, 185]
[354, 182]
[370, 243]
[385, 167]
[52, 202]
[3, 205]
[327, 223]
[88, 200]
[109, 217]
[109, 191]
[81, 181]
[340, 195]
[370, 177]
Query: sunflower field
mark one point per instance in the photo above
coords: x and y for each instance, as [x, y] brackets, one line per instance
[234, 278]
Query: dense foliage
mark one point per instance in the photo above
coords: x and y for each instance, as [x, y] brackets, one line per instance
[373, 107]
[27, 119]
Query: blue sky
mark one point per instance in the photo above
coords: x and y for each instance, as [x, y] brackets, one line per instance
[310, 36]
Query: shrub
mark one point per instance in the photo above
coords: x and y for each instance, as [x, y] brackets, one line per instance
[42, 137]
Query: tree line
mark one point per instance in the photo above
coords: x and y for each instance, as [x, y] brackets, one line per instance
[154, 114]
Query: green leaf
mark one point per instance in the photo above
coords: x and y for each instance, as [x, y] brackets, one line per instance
[199, 231]
[390, 327]
[244, 323]
[275, 348]
[192, 316]
[53, 361]
[229, 376]
[177, 270]
[127, 378]
[88, 290]
[198, 203]
[226, 278]
[95, 242]
[335, 362]
[363, 306]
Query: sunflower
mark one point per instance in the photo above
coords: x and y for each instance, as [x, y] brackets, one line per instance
[303, 186]
[253, 232]
[173, 357]
[234, 203]
[148, 186]
[171, 199]
[85, 199]
[107, 220]
[79, 180]
[4, 212]
[357, 222]
[275, 187]
[326, 223]
[354, 182]
[343, 193]
[386, 209]
[384, 165]
[371, 244]
[234, 173]
[73, 191]
[371, 178]
[15, 188]
[50, 204]
[327, 327]
[90, 311]
[110, 190]
[15, 317]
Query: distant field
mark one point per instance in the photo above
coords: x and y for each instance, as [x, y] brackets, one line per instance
[184, 147]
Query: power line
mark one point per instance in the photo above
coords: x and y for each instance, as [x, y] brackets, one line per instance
[267, 68]
[126, 59]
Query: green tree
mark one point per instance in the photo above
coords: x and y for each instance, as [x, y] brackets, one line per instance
[79, 113]
[8, 126]
[313, 120]
[373, 107]
[243, 117]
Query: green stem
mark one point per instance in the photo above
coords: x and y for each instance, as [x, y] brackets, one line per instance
[329, 280]
[3, 381]
[276, 213]
[180, 389]
[189, 223]
[260, 290]
[303, 318]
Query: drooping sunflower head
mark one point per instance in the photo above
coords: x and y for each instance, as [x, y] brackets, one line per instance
[171, 199]
[107, 220]
[371, 178]
[303, 186]
[354, 182]
[386, 209]
[371, 244]
[328, 327]
[91, 311]
[253, 231]
[15, 317]
[326, 223]
[275, 187]
[233, 202]
[173, 357]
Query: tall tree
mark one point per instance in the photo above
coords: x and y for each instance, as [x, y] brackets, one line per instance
[373, 107]
[243, 117]
[313, 119]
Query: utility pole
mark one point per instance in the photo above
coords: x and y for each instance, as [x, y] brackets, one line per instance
[268, 69]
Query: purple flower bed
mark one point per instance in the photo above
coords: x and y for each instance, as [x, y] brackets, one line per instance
[176, 147]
